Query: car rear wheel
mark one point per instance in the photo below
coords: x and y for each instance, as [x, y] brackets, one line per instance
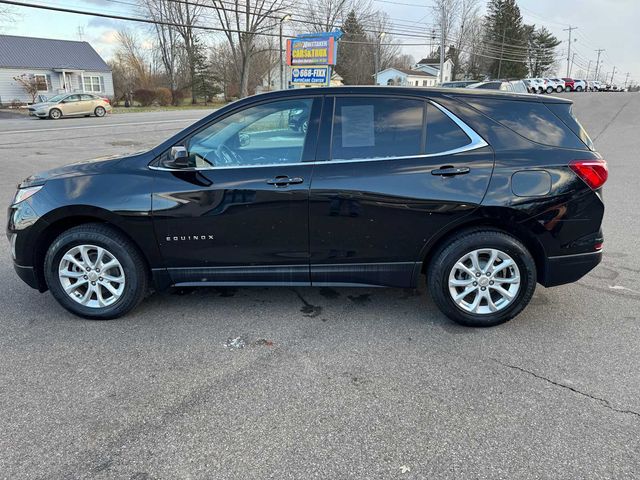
[100, 112]
[578, 89]
[483, 278]
[95, 272]
[55, 114]
[559, 89]
[549, 89]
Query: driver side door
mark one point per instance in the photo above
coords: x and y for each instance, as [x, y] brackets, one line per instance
[238, 214]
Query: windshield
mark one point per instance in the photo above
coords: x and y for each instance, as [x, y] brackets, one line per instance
[57, 98]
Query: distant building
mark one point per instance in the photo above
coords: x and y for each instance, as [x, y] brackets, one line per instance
[422, 74]
[58, 66]
[425, 65]
[405, 78]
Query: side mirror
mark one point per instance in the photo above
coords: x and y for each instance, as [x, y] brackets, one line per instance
[179, 157]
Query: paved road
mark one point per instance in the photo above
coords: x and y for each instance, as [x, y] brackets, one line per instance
[350, 383]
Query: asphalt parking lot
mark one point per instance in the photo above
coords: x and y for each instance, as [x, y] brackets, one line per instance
[330, 383]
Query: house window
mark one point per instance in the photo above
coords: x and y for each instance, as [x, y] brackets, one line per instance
[416, 83]
[424, 83]
[41, 82]
[92, 84]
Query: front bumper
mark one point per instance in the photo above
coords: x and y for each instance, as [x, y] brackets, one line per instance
[27, 275]
[569, 268]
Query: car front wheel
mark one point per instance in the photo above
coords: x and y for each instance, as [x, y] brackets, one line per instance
[100, 112]
[483, 278]
[95, 272]
[55, 114]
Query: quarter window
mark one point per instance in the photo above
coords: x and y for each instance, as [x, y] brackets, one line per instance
[269, 134]
[368, 127]
[443, 134]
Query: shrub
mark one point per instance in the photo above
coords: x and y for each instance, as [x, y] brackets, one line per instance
[144, 96]
[163, 96]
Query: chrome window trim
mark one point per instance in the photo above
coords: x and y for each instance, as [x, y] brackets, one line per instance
[476, 142]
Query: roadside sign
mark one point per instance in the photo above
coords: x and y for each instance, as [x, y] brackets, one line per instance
[317, 76]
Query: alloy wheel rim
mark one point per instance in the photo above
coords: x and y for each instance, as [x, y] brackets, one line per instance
[91, 276]
[55, 114]
[484, 281]
[100, 111]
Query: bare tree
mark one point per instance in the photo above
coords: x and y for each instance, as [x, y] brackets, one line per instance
[7, 15]
[326, 15]
[385, 48]
[402, 61]
[466, 15]
[185, 15]
[168, 40]
[243, 22]
[29, 84]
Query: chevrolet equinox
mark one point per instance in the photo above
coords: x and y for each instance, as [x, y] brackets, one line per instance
[486, 193]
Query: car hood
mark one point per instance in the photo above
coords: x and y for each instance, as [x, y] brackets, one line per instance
[86, 167]
[41, 105]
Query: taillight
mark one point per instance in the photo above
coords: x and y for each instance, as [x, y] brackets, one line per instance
[107, 100]
[593, 172]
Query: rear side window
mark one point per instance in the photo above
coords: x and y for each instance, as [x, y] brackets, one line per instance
[374, 127]
[533, 121]
[443, 134]
[565, 113]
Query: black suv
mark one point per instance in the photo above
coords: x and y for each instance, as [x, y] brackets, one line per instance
[486, 193]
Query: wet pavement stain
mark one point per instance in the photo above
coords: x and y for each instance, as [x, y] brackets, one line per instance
[308, 309]
[360, 299]
[329, 293]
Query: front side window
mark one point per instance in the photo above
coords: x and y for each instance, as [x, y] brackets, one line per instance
[268, 134]
[72, 99]
[374, 127]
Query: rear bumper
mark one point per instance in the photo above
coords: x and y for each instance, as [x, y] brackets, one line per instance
[569, 268]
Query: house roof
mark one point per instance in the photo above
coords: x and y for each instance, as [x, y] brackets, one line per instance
[46, 53]
[431, 63]
[413, 73]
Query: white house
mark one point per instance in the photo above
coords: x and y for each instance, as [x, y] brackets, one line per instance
[425, 65]
[58, 66]
[406, 78]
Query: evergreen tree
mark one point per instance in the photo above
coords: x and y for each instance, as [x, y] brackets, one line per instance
[355, 60]
[542, 48]
[505, 40]
[205, 83]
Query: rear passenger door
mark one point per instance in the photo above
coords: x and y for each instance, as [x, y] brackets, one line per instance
[396, 170]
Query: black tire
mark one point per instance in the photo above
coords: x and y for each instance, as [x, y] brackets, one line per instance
[445, 258]
[55, 114]
[100, 112]
[549, 89]
[133, 265]
[579, 89]
[559, 89]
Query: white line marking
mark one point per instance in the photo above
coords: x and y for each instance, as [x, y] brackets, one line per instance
[103, 125]
[620, 287]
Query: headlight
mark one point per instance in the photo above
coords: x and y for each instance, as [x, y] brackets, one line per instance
[23, 193]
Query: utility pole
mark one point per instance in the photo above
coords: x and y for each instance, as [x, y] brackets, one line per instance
[442, 39]
[599, 51]
[573, 59]
[588, 69]
[626, 79]
[504, 32]
[376, 57]
[612, 74]
[282, 20]
[569, 48]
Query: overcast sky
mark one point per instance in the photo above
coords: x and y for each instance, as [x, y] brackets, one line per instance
[609, 24]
